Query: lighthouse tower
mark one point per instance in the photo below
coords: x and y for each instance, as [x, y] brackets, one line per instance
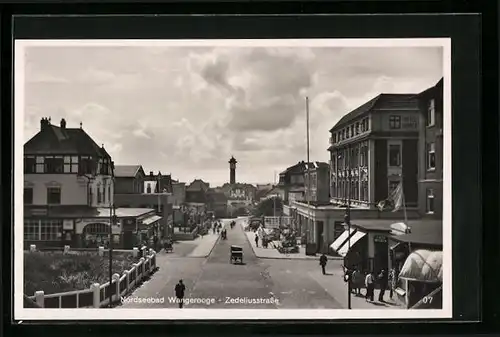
[232, 170]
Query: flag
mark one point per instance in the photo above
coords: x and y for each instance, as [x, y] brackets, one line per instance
[394, 201]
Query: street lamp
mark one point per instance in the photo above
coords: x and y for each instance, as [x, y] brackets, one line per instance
[347, 220]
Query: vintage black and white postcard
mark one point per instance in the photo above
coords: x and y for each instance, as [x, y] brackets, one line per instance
[233, 179]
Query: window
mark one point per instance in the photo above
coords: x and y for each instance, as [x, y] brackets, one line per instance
[86, 165]
[148, 188]
[431, 113]
[28, 196]
[31, 230]
[394, 122]
[53, 195]
[430, 201]
[393, 185]
[50, 230]
[431, 156]
[343, 134]
[42, 230]
[29, 164]
[54, 164]
[40, 166]
[70, 164]
[104, 166]
[357, 128]
[394, 155]
[352, 131]
[109, 193]
[104, 194]
[99, 195]
[91, 196]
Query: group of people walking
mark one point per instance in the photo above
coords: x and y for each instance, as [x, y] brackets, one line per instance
[358, 280]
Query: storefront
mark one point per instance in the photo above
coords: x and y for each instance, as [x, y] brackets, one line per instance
[83, 227]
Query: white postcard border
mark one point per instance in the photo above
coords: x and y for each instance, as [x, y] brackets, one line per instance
[21, 313]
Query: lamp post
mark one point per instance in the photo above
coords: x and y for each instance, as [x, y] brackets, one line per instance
[347, 220]
[112, 219]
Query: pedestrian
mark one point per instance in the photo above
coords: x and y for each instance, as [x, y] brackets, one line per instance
[322, 262]
[392, 282]
[370, 286]
[383, 281]
[256, 240]
[356, 281]
[179, 293]
[213, 229]
[155, 242]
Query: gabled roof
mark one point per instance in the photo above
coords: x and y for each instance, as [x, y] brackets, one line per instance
[53, 139]
[382, 101]
[127, 171]
[198, 185]
[316, 164]
[297, 168]
[437, 86]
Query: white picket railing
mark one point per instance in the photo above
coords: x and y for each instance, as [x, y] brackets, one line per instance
[98, 294]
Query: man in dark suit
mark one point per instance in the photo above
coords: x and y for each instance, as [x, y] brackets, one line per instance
[180, 288]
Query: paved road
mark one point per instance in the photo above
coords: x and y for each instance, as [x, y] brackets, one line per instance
[287, 284]
[228, 283]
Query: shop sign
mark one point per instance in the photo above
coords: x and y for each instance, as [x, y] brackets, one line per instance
[380, 238]
[68, 224]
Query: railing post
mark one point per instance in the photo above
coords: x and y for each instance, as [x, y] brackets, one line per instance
[127, 279]
[137, 275]
[135, 252]
[116, 278]
[32, 248]
[101, 251]
[39, 298]
[96, 289]
[141, 261]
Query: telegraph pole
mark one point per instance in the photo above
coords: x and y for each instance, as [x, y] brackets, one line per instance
[348, 222]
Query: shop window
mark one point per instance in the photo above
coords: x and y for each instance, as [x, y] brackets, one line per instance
[31, 230]
[29, 164]
[53, 196]
[28, 196]
[431, 156]
[430, 201]
[395, 155]
[431, 113]
[394, 122]
[50, 230]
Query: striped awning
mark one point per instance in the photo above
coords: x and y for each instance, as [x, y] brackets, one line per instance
[352, 240]
[341, 240]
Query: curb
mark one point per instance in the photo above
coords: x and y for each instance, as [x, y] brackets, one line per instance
[289, 258]
[210, 252]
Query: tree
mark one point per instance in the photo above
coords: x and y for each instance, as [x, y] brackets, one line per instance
[267, 207]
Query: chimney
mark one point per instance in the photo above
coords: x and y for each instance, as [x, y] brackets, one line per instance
[44, 123]
[63, 123]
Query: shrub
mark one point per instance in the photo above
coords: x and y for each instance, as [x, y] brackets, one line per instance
[55, 272]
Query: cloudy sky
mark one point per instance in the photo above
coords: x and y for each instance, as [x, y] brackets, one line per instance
[186, 110]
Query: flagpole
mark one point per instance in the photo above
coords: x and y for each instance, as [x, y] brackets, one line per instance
[404, 201]
[308, 175]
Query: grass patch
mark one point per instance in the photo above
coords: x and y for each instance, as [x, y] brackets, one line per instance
[55, 272]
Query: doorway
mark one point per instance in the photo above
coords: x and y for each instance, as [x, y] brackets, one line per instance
[319, 236]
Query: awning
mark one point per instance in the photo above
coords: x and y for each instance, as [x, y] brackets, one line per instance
[151, 219]
[341, 240]
[354, 238]
[423, 265]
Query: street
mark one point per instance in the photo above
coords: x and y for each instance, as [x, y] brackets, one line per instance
[257, 283]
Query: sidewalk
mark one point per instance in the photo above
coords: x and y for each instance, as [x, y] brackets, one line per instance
[204, 245]
[273, 253]
[334, 284]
